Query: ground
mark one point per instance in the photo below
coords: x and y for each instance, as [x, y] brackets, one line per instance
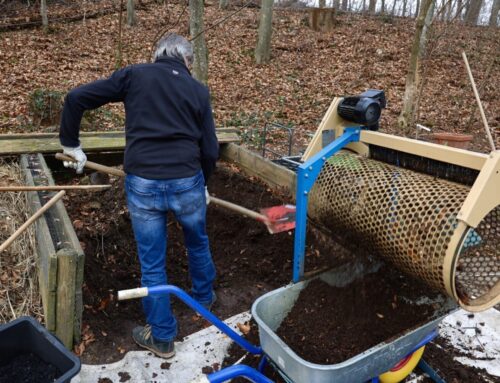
[307, 69]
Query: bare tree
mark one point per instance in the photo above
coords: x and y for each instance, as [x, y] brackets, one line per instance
[382, 7]
[371, 6]
[406, 118]
[458, 13]
[494, 13]
[336, 4]
[131, 19]
[393, 8]
[405, 3]
[472, 14]
[345, 5]
[43, 13]
[263, 49]
[200, 65]
[417, 8]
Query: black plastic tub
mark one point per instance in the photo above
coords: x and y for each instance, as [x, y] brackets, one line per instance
[28, 349]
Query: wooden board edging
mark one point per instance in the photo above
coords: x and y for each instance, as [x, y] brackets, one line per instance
[276, 176]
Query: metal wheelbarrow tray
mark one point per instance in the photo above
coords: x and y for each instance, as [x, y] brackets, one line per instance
[272, 308]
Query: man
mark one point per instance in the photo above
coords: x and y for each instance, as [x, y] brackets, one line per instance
[171, 150]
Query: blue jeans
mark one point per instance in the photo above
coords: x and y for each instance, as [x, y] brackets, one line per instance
[148, 204]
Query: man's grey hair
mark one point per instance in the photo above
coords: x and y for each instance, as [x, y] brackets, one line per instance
[174, 45]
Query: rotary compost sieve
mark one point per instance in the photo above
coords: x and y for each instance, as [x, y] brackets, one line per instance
[410, 219]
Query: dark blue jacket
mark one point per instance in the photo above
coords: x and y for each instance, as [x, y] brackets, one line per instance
[170, 131]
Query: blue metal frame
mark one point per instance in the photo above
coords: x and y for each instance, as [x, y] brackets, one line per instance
[187, 299]
[307, 174]
[238, 370]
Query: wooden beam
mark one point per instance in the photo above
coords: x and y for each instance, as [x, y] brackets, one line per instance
[15, 144]
[255, 165]
[66, 271]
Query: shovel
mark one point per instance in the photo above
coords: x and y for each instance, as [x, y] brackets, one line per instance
[276, 218]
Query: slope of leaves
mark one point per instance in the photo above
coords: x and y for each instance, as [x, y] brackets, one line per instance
[307, 70]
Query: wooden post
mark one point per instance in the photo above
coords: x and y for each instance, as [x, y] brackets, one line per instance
[65, 310]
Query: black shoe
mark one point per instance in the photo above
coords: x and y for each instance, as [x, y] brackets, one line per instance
[143, 337]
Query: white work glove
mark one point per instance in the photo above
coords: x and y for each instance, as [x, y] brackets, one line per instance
[79, 156]
[207, 196]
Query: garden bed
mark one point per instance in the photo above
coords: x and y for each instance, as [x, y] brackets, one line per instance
[249, 261]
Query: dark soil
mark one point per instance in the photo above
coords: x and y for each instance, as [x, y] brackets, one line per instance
[438, 354]
[27, 368]
[248, 259]
[329, 325]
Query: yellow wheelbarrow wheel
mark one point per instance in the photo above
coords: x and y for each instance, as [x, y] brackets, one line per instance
[403, 368]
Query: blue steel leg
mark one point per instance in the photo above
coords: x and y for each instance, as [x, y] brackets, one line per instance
[430, 371]
[262, 364]
[187, 299]
[307, 174]
[235, 371]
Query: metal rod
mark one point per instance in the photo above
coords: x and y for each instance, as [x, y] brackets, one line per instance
[32, 219]
[53, 188]
[483, 116]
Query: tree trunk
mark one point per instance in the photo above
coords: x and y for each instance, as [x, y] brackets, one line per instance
[371, 6]
[322, 3]
[43, 13]
[393, 8]
[472, 15]
[458, 13]
[494, 13]
[417, 8]
[336, 4]
[406, 118]
[404, 8]
[200, 65]
[382, 7]
[344, 5]
[131, 20]
[223, 4]
[263, 49]
[364, 6]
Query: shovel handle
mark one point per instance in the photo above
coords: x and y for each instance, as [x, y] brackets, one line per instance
[239, 209]
[32, 219]
[93, 166]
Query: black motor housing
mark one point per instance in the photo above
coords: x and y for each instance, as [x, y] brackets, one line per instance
[364, 109]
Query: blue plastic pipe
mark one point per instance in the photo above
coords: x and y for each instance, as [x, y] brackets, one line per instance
[187, 299]
[238, 370]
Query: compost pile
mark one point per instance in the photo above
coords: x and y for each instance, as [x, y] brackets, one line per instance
[328, 325]
[249, 261]
[27, 368]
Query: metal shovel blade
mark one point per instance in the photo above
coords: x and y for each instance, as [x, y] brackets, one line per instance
[279, 218]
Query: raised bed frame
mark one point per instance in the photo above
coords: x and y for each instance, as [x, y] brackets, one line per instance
[60, 257]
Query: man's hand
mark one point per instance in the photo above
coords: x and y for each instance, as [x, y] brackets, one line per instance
[207, 196]
[79, 156]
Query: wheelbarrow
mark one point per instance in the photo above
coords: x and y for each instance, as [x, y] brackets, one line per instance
[386, 362]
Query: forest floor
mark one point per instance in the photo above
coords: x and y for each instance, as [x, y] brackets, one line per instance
[307, 69]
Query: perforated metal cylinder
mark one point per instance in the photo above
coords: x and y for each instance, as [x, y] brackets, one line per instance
[408, 218]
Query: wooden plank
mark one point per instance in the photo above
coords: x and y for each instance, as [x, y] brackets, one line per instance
[69, 240]
[14, 144]
[46, 254]
[66, 276]
[253, 164]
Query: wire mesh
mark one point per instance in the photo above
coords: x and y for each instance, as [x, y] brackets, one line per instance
[406, 217]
